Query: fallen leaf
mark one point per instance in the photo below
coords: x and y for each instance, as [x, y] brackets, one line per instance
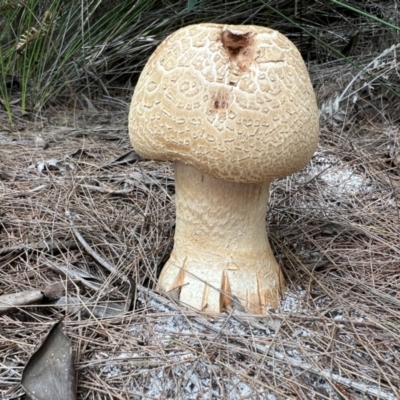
[125, 159]
[106, 309]
[49, 373]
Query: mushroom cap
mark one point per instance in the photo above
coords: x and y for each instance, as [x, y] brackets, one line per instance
[233, 101]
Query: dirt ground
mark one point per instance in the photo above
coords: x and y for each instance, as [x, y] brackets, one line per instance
[73, 197]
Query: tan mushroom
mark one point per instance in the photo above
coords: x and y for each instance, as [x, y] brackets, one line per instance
[233, 107]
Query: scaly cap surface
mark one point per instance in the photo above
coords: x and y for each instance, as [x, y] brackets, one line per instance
[235, 102]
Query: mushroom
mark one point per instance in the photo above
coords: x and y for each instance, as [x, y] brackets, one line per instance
[233, 107]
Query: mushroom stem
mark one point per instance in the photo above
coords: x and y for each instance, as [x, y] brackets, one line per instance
[221, 252]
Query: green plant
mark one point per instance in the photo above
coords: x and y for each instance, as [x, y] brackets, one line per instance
[72, 52]
[48, 48]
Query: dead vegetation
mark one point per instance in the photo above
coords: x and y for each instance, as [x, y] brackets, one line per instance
[334, 226]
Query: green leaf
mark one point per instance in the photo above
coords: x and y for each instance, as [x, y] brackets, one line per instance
[191, 4]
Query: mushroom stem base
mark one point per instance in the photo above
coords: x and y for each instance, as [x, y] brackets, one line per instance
[221, 257]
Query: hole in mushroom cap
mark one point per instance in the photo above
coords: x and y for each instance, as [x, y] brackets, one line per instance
[220, 99]
[234, 42]
[235, 39]
[220, 104]
[240, 47]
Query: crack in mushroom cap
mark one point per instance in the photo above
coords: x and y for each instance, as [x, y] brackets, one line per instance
[235, 102]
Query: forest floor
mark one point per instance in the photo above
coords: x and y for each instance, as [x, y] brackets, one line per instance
[78, 208]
